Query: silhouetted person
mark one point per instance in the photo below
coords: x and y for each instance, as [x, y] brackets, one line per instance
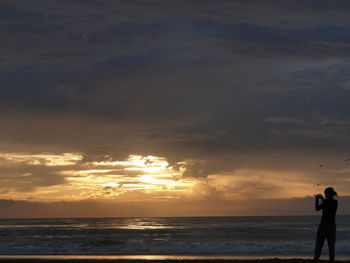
[327, 227]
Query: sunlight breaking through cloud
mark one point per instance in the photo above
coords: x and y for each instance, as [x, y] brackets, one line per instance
[142, 174]
[69, 177]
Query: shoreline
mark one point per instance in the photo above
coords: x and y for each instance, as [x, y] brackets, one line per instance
[267, 260]
[164, 259]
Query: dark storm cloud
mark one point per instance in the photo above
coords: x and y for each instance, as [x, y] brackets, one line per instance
[21, 20]
[185, 80]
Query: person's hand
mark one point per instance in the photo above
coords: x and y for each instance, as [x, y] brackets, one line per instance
[319, 196]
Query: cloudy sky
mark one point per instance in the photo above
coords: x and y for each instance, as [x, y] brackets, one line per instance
[173, 108]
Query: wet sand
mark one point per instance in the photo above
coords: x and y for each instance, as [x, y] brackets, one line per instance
[272, 260]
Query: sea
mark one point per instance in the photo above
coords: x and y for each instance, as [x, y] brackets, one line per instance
[201, 237]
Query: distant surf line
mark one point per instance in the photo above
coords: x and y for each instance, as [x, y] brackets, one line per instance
[162, 257]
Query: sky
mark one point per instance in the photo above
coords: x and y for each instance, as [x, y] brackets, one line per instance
[173, 108]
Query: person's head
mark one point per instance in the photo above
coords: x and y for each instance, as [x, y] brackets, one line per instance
[329, 192]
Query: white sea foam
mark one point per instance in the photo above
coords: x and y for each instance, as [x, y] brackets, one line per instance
[167, 236]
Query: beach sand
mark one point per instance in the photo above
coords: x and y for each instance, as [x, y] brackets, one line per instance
[272, 260]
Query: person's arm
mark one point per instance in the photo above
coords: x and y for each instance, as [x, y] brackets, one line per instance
[318, 206]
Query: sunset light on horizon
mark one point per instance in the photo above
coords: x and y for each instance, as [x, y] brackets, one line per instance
[147, 178]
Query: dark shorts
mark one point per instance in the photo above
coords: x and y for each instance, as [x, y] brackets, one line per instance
[327, 230]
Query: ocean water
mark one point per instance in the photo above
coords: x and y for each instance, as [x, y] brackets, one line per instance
[218, 236]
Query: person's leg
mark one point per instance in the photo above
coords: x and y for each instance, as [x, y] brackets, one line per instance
[331, 242]
[319, 242]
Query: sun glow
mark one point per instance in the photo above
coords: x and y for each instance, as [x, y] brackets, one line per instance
[67, 177]
[146, 174]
